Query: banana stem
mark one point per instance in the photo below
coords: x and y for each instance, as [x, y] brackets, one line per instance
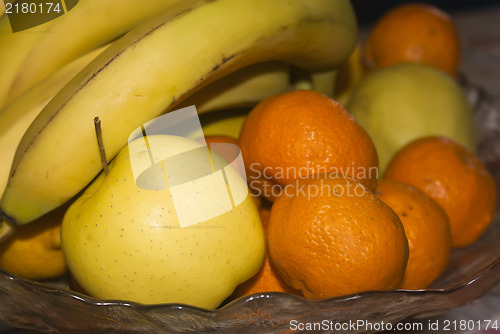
[98, 133]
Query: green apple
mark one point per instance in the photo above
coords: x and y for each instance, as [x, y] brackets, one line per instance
[123, 241]
[406, 101]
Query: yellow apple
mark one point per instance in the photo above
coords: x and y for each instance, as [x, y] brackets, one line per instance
[124, 241]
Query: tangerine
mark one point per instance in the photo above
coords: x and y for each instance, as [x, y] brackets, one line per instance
[427, 229]
[300, 133]
[267, 278]
[455, 178]
[34, 251]
[331, 236]
[414, 32]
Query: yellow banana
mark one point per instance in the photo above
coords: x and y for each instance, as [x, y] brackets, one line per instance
[150, 71]
[14, 48]
[16, 117]
[324, 81]
[45, 48]
[243, 88]
[349, 74]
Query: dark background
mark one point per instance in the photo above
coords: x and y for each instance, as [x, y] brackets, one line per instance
[368, 11]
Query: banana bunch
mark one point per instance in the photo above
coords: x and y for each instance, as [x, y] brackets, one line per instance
[211, 53]
[30, 55]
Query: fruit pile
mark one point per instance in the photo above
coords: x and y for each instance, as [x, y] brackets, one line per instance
[357, 168]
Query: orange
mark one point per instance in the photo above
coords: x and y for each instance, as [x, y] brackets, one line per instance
[427, 229]
[303, 132]
[34, 251]
[268, 278]
[331, 236]
[414, 32]
[454, 177]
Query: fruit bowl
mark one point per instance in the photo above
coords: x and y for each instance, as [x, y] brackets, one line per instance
[472, 272]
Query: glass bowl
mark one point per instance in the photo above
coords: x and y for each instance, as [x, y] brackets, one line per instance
[472, 272]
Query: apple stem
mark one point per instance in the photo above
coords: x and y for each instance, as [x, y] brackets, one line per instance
[98, 133]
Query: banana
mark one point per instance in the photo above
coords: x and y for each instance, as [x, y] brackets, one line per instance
[16, 117]
[35, 53]
[320, 81]
[150, 71]
[324, 81]
[243, 88]
[349, 74]
[14, 48]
